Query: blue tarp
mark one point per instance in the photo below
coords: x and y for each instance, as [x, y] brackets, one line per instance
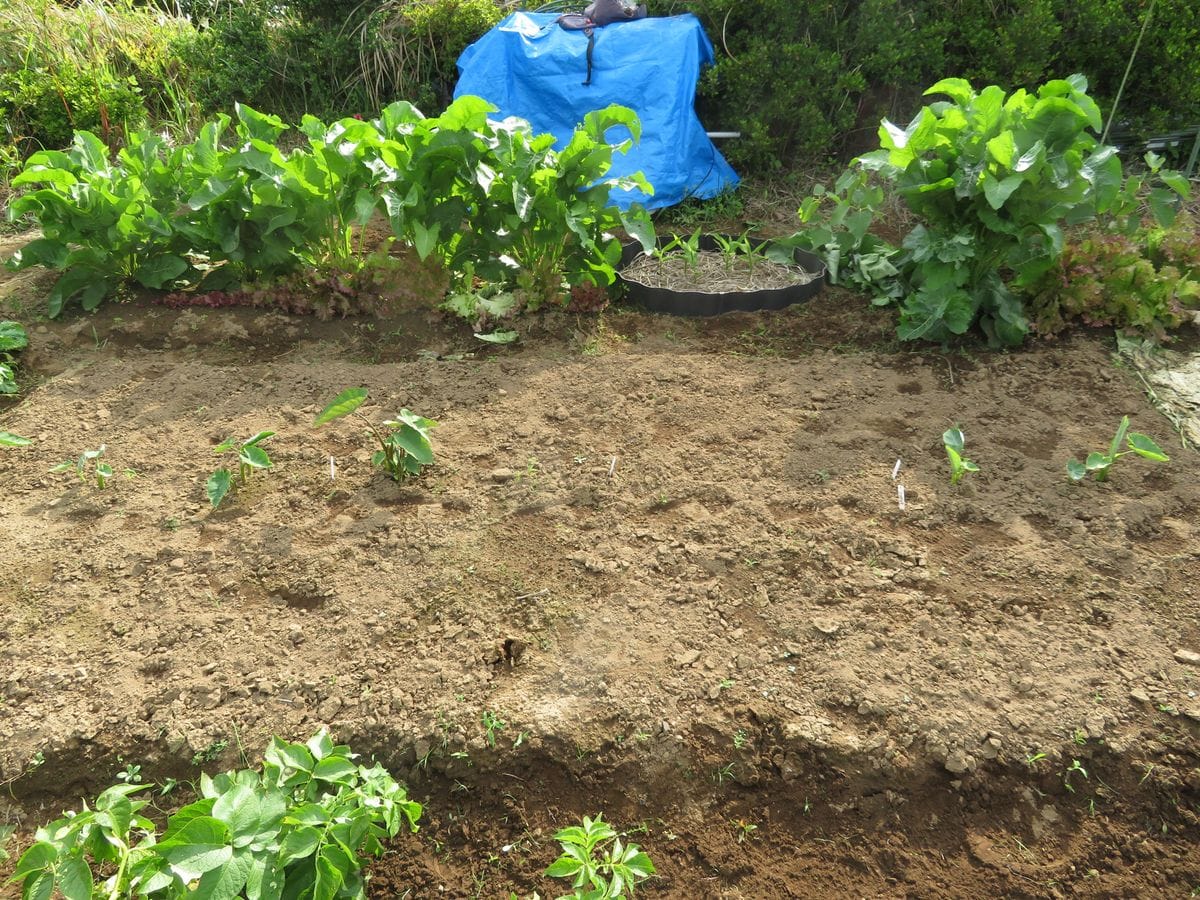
[530, 67]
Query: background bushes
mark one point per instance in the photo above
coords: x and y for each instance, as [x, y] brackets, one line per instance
[803, 80]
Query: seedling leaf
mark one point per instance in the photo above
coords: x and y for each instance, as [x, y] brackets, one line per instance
[343, 404]
[8, 439]
[1144, 446]
[217, 486]
[1077, 470]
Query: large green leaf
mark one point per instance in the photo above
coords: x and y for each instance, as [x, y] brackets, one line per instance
[224, 882]
[8, 439]
[12, 336]
[217, 486]
[415, 444]
[343, 404]
[200, 846]
[158, 271]
[75, 879]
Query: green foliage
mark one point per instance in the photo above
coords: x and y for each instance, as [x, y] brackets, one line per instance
[8, 439]
[1144, 283]
[301, 828]
[952, 440]
[409, 48]
[1098, 464]
[95, 65]
[404, 447]
[993, 178]
[494, 201]
[12, 337]
[599, 864]
[100, 471]
[834, 225]
[102, 223]
[487, 200]
[250, 456]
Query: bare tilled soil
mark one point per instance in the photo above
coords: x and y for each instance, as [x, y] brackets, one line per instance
[667, 555]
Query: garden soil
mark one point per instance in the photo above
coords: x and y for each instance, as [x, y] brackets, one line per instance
[665, 559]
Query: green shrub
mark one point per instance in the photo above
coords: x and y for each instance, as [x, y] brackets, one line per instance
[992, 179]
[47, 106]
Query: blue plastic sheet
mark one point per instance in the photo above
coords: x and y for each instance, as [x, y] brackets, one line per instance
[530, 67]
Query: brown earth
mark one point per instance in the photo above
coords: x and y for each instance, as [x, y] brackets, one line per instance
[667, 554]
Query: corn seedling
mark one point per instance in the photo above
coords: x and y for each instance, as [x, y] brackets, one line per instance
[404, 447]
[952, 439]
[492, 723]
[1076, 766]
[687, 247]
[599, 864]
[745, 830]
[1098, 464]
[250, 457]
[100, 471]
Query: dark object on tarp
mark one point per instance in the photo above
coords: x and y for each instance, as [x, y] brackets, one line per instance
[597, 15]
[706, 303]
[529, 67]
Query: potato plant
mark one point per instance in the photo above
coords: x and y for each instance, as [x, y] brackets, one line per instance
[599, 865]
[302, 827]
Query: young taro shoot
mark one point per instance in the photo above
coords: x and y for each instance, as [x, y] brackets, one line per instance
[404, 447]
[1098, 464]
[100, 471]
[250, 456]
[8, 439]
[952, 439]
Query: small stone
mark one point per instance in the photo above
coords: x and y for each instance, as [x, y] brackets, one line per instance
[178, 564]
[329, 708]
[826, 626]
[687, 658]
[958, 762]
[560, 414]
[500, 476]
[1094, 725]
[296, 634]
[1187, 657]
[524, 431]
[1139, 695]
[208, 668]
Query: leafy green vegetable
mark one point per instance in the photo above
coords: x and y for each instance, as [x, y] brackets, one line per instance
[101, 471]
[12, 337]
[993, 179]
